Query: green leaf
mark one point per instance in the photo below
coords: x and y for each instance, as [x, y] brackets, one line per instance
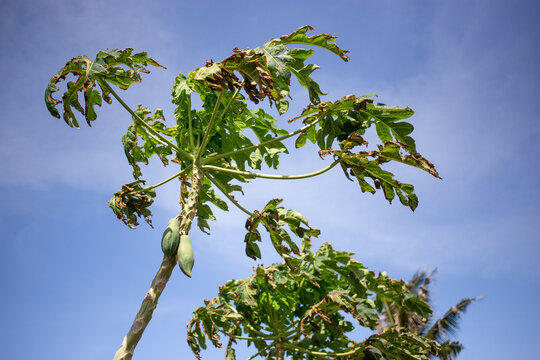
[363, 168]
[182, 89]
[277, 57]
[252, 249]
[204, 212]
[207, 194]
[272, 205]
[230, 354]
[280, 239]
[149, 147]
[131, 202]
[105, 68]
[391, 151]
[274, 218]
[280, 59]
[322, 40]
[301, 140]
[388, 128]
[133, 153]
[302, 73]
[372, 353]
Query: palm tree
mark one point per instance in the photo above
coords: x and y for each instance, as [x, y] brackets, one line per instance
[438, 330]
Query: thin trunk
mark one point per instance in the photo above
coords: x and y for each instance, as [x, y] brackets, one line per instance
[279, 351]
[125, 352]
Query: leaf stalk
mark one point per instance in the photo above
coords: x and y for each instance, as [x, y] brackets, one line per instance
[220, 186]
[190, 125]
[206, 137]
[145, 125]
[178, 174]
[263, 144]
[269, 176]
[319, 353]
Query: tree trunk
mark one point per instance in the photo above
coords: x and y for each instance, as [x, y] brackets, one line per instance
[279, 351]
[125, 352]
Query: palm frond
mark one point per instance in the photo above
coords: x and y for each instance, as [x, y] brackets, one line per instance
[419, 284]
[450, 350]
[393, 315]
[448, 324]
[412, 321]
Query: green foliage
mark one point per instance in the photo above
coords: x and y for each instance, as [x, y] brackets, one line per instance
[220, 137]
[416, 322]
[132, 202]
[299, 308]
[303, 311]
[105, 68]
[345, 121]
[150, 146]
[274, 218]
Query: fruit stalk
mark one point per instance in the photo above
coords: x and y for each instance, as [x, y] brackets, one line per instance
[125, 352]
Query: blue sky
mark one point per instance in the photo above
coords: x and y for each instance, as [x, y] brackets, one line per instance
[73, 275]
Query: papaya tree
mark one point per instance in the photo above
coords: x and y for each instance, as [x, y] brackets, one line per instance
[297, 308]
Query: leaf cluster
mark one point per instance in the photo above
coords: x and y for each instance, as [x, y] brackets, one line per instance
[132, 202]
[303, 307]
[228, 141]
[275, 219]
[427, 327]
[119, 67]
[306, 310]
[150, 145]
[267, 70]
[345, 121]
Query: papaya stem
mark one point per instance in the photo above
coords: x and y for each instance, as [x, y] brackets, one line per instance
[125, 352]
[149, 303]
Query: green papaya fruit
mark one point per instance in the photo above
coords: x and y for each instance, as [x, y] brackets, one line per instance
[171, 238]
[185, 255]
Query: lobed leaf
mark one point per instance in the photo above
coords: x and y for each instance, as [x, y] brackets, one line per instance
[131, 202]
[266, 70]
[105, 68]
[299, 36]
[392, 151]
[136, 153]
[274, 218]
[362, 168]
[204, 212]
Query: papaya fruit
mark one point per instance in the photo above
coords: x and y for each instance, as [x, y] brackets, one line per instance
[171, 238]
[185, 255]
